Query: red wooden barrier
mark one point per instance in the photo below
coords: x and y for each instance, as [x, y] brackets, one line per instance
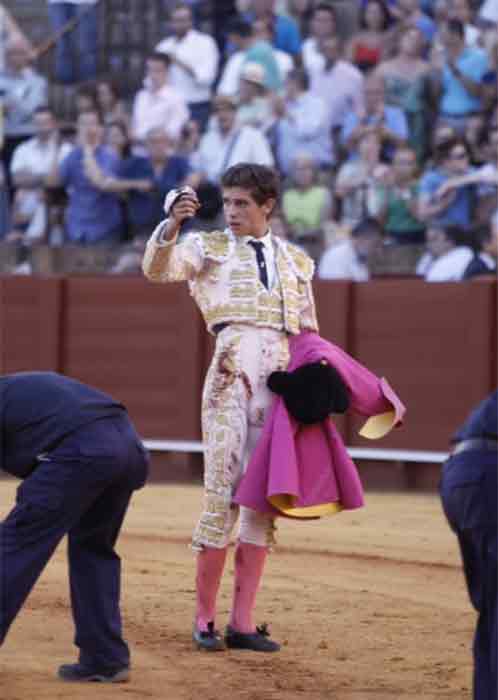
[140, 342]
[333, 304]
[30, 332]
[435, 343]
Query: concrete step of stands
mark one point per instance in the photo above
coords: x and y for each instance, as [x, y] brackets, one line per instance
[397, 261]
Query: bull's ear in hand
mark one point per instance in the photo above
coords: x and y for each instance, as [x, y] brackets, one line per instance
[171, 198]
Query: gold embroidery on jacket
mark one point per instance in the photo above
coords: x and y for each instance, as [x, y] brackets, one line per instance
[227, 288]
[216, 244]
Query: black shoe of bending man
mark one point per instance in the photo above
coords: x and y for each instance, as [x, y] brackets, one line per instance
[255, 641]
[208, 640]
[76, 673]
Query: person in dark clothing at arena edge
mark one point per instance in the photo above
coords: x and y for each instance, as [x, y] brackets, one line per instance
[80, 460]
[469, 496]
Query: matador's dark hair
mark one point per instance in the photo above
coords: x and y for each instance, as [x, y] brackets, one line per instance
[261, 181]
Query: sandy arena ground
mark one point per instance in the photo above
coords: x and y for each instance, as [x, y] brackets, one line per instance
[369, 605]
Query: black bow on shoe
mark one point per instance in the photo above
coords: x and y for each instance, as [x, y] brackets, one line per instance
[253, 641]
[208, 640]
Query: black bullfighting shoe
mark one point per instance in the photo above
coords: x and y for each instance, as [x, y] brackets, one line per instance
[208, 640]
[255, 641]
[77, 673]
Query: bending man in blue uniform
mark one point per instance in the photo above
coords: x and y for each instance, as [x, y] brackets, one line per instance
[469, 494]
[80, 460]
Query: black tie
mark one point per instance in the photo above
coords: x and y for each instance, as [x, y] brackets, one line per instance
[260, 257]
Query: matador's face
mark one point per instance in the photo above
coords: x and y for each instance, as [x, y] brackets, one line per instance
[243, 214]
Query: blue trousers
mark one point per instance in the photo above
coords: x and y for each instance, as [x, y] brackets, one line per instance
[76, 51]
[469, 496]
[82, 488]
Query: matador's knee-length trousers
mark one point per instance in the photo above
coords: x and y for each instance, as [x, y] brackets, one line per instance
[234, 405]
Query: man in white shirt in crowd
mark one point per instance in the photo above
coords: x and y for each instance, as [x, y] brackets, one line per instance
[323, 24]
[337, 82]
[158, 104]
[227, 143]
[194, 62]
[301, 124]
[33, 161]
[351, 259]
[446, 259]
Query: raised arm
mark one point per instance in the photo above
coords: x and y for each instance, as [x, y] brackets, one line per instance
[483, 177]
[429, 206]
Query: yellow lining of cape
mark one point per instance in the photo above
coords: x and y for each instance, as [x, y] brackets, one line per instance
[378, 426]
[283, 503]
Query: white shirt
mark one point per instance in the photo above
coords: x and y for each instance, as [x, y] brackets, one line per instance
[164, 108]
[38, 157]
[340, 87]
[489, 11]
[269, 255]
[229, 83]
[198, 51]
[449, 267]
[341, 262]
[312, 57]
[472, 35]
[284, 62]
[489, 261]
[485, 189]
[218, 151]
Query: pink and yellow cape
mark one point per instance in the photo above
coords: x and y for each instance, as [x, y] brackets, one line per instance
[305, 471]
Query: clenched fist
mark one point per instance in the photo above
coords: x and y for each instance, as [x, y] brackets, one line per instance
[181, 204]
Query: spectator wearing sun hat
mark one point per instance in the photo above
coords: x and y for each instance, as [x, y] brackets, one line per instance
[255, 103]
[251, 47]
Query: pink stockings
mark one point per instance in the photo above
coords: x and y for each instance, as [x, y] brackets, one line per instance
[249, 565]
[210, 565]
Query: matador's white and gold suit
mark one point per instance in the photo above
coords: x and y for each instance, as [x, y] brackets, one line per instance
[251, 324]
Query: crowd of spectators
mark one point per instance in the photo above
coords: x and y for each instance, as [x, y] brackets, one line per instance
[383, 124]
